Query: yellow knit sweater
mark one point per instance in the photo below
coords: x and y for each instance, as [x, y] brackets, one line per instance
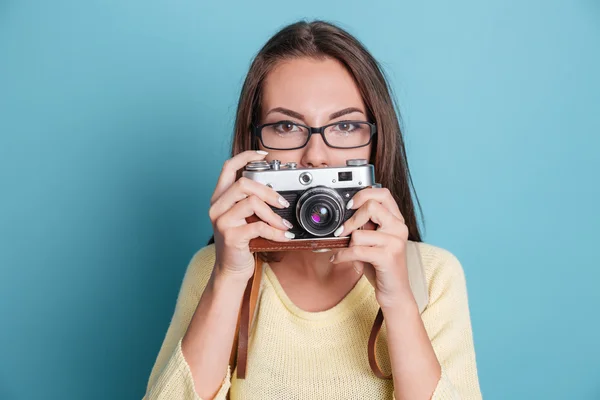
[294, 354]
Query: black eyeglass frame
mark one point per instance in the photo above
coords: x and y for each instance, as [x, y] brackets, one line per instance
[257, 133]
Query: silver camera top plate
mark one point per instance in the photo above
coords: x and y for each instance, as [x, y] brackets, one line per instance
[286, 177]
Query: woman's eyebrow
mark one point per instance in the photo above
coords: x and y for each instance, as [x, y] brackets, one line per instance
[345, 111]
[297, 115]
[287, 112]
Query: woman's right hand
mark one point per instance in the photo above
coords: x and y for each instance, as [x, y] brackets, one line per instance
[231, 203]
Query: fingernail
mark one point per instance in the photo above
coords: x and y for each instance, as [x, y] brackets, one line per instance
[283, 202]
[332, 258]
[349, 205]
[287, 223]
[289, 235]
[262, 152]
[338, 231]
[356, 269]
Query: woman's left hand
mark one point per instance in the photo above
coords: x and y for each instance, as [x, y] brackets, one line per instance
[380, 254]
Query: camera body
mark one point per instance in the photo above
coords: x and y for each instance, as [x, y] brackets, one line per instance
[317, 196]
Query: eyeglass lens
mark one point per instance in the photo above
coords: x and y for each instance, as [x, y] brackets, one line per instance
[287, 135]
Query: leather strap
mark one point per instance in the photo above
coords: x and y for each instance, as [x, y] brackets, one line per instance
[373, 346]
[247, 312]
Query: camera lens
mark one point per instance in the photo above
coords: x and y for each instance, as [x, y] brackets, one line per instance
[320, 214]
[320, 211]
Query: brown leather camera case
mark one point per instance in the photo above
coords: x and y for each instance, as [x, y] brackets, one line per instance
[265, 245]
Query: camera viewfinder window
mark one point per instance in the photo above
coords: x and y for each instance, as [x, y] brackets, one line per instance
[345, 176]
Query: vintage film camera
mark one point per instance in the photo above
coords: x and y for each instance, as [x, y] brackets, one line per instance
[317, 197]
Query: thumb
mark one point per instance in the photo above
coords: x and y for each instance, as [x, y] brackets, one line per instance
[367, 269]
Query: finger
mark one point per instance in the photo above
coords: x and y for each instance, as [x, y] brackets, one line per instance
[243, 234]
[237, 215]
[230, 168]
[382, 195]
[357, 253]
[372, 210]
[242, 189]
[372, 238]
[367, 269]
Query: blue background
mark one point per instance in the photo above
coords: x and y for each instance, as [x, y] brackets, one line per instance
[115, 117]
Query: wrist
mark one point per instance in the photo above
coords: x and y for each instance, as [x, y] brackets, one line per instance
[404, 304]
[222, 279]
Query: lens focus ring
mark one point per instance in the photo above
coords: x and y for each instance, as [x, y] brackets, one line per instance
[320, 211]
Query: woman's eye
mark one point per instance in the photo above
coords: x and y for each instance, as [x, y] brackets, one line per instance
[285, 127]
[345, 127]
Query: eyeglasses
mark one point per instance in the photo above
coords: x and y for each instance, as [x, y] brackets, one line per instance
[288, 135]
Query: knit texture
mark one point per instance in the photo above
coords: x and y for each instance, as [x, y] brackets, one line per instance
[294, 354]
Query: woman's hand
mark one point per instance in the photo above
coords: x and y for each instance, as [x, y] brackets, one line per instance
[380, 253]
[231, 203]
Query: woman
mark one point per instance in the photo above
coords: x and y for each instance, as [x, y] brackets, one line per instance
[315, 311]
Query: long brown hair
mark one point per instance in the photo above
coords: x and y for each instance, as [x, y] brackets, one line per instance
[319, 39]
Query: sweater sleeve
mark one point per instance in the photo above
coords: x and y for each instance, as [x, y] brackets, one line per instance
[448, 324]
[171, 377]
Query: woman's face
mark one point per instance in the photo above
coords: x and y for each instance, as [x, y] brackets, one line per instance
[314, 93]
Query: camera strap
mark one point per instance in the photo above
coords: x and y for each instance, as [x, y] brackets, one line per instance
[239, 352]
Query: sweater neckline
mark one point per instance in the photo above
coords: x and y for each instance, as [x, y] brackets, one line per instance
[347, 305]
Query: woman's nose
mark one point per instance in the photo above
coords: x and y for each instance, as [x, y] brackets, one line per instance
[316, 152]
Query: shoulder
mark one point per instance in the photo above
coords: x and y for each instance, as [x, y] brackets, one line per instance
[203, 259]
[442, 269]
[198, 271]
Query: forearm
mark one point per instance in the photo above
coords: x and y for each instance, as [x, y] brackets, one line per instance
[207, 343]
[415, 368]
